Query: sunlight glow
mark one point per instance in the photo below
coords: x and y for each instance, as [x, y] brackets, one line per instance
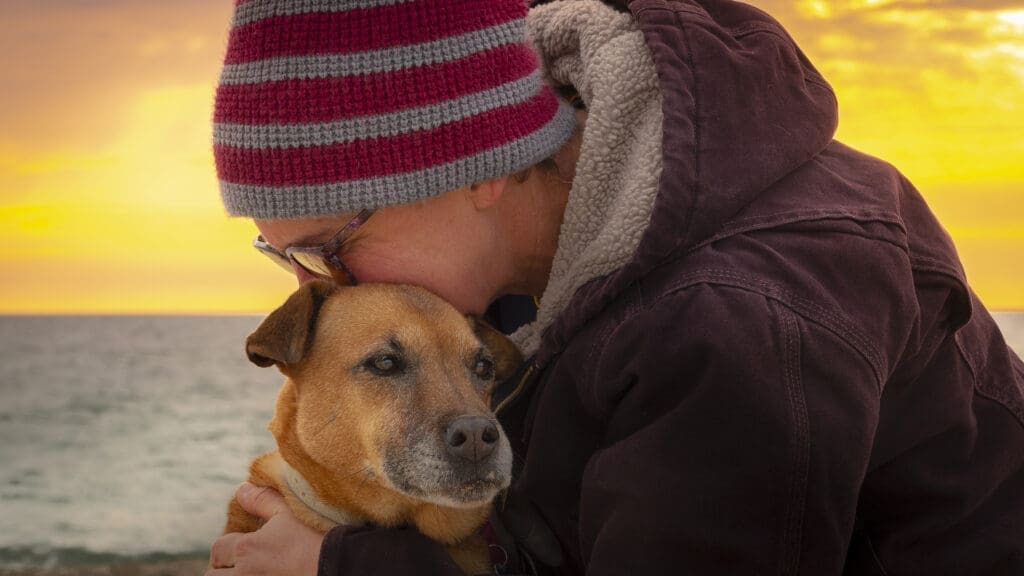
[1014, 18]
[138, 225]
[109, 201]
[815, 8]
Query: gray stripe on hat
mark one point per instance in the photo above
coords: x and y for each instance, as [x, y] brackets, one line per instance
[382, 60]
[259, 9]
[379, 125]
[267, 202]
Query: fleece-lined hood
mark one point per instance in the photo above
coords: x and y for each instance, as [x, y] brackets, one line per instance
[740, 107]
[601, 53]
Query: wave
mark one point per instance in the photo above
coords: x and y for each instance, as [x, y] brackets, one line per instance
[39, 557]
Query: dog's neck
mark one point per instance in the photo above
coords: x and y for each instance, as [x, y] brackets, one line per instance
[301, 489]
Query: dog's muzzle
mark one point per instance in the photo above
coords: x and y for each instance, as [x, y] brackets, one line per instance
[466, 464]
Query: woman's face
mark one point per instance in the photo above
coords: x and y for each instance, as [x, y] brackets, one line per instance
[440, 244]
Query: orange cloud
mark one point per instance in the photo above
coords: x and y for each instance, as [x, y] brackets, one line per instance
[109, 202]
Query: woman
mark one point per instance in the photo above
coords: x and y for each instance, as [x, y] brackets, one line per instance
[754, 350]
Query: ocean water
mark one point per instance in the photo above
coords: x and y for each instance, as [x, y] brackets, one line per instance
[125, 437]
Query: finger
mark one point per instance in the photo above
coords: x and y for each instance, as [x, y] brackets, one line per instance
[260, 500]
[220, 572]
[222, 552]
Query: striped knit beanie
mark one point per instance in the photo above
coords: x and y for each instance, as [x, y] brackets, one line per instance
[334, 106]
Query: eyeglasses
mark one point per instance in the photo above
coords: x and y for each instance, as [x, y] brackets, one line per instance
[319, 260]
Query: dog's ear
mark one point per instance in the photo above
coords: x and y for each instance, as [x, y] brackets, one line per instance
[507, 357]
[283, 336]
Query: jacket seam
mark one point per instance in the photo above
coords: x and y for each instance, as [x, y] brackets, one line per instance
[793, 530]
[684, 31]
[804, 307]
[792, 536]
[1003, 401]
[928, 264]
[811, 75]
[601, 344]
[788, 216]
[697, 127]
[633, 304]
[770, 221]
[633, 307]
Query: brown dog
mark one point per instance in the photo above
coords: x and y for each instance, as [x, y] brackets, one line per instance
[383, 418]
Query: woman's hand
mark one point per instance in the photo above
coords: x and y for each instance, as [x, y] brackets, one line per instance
[282, 546]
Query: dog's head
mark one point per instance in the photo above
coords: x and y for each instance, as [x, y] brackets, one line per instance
[389, 385]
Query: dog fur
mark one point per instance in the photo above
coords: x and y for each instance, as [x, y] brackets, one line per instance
[376, 376]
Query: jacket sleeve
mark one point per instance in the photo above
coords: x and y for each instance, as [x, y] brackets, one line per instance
[738, 434]
[383, 552]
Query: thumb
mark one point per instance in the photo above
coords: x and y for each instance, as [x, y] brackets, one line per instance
[260, 500]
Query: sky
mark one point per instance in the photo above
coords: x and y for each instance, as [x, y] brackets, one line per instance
[109, 201]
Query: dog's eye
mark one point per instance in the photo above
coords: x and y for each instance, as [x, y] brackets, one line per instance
[384, 365]
[484, 368]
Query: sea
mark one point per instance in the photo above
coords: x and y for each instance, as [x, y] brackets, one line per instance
[122, 438]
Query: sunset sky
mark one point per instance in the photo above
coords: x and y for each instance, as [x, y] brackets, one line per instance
[109, 202]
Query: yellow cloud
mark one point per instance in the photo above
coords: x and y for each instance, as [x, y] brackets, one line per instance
[1014, 19]
[138, 227]
[109, 203]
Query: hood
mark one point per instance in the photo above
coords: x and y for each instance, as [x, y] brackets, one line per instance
[741, 106]
[601, 53]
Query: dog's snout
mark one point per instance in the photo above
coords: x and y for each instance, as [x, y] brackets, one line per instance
[471, 437]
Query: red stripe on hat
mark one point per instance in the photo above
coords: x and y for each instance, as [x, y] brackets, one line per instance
[326, 99]
[362, 29]
[384, 156]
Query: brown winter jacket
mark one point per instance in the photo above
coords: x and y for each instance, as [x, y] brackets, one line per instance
[790, 374]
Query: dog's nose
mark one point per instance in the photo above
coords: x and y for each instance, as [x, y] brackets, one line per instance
[471, 437]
